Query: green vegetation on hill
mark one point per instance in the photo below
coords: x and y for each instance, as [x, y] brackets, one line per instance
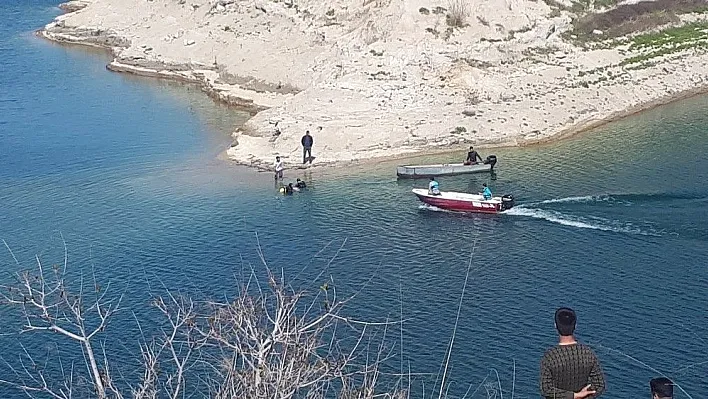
[627, 19]
[669, 41]
[692, 32]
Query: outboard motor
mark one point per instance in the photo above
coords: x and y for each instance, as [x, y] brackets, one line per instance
[491, 160]
[507, 202]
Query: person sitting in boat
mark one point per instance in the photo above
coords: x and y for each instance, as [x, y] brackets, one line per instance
[433, 187]
[486, 193]
[300, 184]
[472, 157]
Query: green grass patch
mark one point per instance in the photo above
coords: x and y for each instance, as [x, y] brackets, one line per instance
[679, 35]
[662, 51]
[668, 41]
[627, 19]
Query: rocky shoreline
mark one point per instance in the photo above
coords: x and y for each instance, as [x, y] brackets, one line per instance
[529, 87]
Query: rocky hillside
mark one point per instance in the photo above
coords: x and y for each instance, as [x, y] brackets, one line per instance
[385, 77]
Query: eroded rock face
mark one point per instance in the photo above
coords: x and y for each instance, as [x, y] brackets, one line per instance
[86, 35]
[75, 5]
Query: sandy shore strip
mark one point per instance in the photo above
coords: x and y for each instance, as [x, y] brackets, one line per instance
[391, 79]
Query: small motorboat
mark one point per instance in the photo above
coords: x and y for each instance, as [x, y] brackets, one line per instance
[446, 169]
[464, 202]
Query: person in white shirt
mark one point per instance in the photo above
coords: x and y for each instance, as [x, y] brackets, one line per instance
[278, 168]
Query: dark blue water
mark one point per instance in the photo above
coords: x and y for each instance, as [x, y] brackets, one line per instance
[613, 223]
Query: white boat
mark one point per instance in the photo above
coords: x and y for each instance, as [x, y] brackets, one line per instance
[445, 169]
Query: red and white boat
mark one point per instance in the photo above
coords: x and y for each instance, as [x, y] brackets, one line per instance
[464, 202]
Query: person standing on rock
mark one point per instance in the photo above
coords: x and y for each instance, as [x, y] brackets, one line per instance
[307, 142]
[278, 168]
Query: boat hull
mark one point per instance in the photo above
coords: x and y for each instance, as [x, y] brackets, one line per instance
[419, 171]
[463, 202]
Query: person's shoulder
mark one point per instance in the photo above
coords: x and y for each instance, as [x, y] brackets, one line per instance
[550, 357]
[551, 351]
[586, 348]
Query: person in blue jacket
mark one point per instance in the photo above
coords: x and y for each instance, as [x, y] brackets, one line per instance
[486, 193]
[433, 187]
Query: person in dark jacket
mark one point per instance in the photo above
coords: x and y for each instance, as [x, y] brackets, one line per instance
[472, 157]
[300, 184]
[570, 370]
[307, 142]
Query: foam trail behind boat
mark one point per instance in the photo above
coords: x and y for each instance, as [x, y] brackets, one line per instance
[587, 198]
[432, 208]
[594, 223]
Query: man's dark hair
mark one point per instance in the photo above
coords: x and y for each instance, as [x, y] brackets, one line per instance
[307, 132]
[662, 387]
[565, 321]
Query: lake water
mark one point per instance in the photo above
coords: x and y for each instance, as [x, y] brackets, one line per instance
[613, 223]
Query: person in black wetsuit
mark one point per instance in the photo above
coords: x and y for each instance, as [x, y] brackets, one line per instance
[300, 184]
[472, 157]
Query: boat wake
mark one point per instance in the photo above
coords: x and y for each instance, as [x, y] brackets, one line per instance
[432, 208]
[621, 199]
[585, 199]
[576, 212]
[588, 222]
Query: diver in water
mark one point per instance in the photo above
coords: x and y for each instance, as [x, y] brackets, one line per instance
[300, 184]
[286, 190]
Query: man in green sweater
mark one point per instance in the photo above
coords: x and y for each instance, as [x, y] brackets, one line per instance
[570, 370]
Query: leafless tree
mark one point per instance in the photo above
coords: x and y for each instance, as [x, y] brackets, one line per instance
[48, 304]
[266, 342]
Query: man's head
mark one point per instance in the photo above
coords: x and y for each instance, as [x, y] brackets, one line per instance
[307, 132]
[661, 388]
[277, 158]
[565, 322]
[471, 148]
[432, 178]
[297, 180]
[484, 184]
